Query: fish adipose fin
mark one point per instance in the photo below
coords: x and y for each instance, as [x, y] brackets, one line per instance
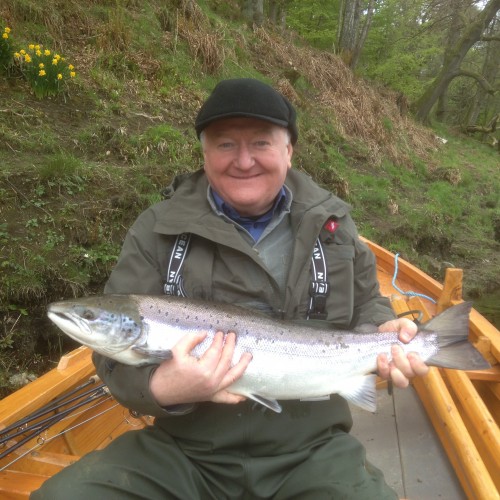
[361, 391]
[161, 354]
[452, 329]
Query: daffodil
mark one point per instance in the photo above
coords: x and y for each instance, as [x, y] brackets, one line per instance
[38, 53]
[5, 36]
[37, 47]
[54, 62]
[41, 65]
[59, 76]
[17, 55]
[27, 58]
[42, 72]
[7, 30]
[31, 46]
[71, 67]
[22, 51]
[46, 52]
[72, 74]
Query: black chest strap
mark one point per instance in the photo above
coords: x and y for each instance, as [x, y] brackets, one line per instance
[318, 289]
[173, 284]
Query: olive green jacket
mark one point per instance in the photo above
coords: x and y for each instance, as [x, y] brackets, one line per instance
[222, 266]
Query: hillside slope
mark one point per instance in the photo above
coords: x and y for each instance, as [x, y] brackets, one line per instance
[77, 168]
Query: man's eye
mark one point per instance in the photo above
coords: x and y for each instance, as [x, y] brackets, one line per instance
[225, 145]
[261, 144]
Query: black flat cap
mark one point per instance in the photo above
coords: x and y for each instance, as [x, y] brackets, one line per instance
[249, 98]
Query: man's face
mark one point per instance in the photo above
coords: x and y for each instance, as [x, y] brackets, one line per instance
[246, 161]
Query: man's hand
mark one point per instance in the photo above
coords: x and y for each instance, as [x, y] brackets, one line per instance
[402, 367]
[186, 379]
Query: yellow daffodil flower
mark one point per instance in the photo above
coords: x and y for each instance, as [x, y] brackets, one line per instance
[71, 67]
[5, 36]
[27, 58]
[46, 52]
[23, 52]
[37, 47]
[17, 55]
[38, 53]
[54, 62]
[42, 72]
[41, 65]
[72, 74]
[31, 46]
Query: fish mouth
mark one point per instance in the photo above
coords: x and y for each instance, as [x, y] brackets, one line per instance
[70, 324]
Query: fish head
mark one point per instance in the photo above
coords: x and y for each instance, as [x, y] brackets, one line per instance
[107, 324]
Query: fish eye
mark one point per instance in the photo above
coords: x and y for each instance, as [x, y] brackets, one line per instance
[88, 314]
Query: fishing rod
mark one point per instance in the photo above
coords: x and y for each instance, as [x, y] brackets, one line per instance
[30, 431]
[52, 406]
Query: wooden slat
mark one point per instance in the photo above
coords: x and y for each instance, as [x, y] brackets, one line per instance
[489, 375]
[18, 485]
[480, 423]
[472, 472]
[452, 289]
[473, 449]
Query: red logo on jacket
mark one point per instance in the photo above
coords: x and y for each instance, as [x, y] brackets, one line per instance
[331, 226]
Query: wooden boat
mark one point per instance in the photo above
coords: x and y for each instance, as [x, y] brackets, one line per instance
[464, 407]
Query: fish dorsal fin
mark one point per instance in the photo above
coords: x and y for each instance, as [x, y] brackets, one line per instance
[361, 391]
[272, 404]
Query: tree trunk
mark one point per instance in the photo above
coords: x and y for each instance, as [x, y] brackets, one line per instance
[348, 28]
[452, 62]
[258, 12]
[491, 66]
[362, 36]
[277, 13]
[247, 10]
[452, 37]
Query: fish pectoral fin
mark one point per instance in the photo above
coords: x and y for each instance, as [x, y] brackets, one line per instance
[153, 353]
[361, 391]
[272, 404]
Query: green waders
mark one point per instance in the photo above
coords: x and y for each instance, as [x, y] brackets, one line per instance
[152, 464]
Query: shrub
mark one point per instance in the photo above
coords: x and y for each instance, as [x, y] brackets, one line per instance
[47, 73]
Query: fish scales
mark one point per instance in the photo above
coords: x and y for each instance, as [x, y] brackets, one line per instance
[290, 360]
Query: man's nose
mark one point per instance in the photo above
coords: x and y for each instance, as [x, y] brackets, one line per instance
[244, 157]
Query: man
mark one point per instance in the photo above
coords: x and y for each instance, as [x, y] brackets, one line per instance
[254, 224]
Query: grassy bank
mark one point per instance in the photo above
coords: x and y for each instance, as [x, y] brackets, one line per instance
[78, 167]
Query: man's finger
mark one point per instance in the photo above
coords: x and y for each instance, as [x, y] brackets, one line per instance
[187, 343]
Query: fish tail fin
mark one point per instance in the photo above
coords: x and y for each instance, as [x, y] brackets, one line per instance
[452, 329]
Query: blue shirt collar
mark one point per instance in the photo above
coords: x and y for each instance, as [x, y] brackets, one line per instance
[254, 225]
